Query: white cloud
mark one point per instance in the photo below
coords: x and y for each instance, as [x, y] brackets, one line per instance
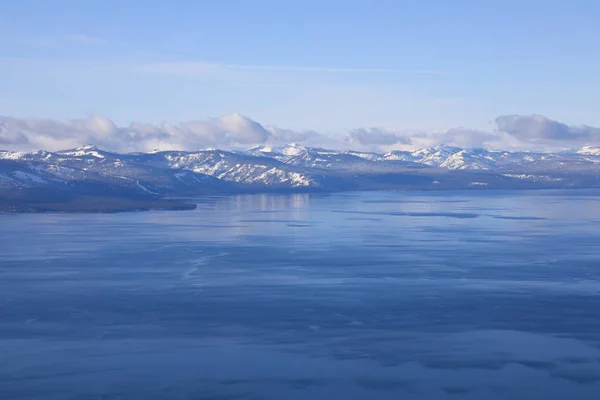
[538, 128]
[284, 136]
[239, 129]
[465, 137]
[229, 131]
[235, 131]
[377, 137]
[13, 138]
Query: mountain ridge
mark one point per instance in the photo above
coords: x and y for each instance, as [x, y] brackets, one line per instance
[88, 169]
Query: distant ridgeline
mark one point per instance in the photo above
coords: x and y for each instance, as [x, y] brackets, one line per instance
[89, 179]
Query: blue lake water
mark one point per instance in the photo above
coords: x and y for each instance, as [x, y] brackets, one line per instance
[378, 295]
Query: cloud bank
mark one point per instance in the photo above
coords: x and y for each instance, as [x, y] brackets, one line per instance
[229, 132]
[540, 128]
[235, 131]
[377, 136]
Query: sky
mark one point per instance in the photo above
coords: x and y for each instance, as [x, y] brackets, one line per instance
[332, 67]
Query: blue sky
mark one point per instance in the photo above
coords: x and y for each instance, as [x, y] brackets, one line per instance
[323, 65]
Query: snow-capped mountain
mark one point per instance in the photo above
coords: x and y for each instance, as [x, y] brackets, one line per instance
[590, 153]
[83, 151]
[287, 152]
[237, 168]
[296, 167]
[448, 157]
[87, 164]
[168, 171]
[433, 156]
[321, 158]
[365, 155]
[455, 158]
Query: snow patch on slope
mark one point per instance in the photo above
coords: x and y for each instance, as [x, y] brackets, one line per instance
[529, 177]
[28, 177]
[83, 151]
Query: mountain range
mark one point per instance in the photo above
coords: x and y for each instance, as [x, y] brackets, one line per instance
[90, 171]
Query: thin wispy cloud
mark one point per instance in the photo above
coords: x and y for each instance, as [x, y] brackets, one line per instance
[333, 69]
[55, 40]
[180, 68]
[202, 68]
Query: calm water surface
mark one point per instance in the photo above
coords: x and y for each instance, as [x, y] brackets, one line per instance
[380, 295]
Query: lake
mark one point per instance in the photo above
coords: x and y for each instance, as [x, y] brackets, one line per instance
[374, 295]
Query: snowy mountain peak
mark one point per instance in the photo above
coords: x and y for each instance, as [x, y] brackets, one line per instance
[288, 150]
[293, 149]
[86, 147]
[12, 155]
[365, 155]
[589, 151]
[296, 166]
[435, 156]
[85, 150]
[440, 149]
